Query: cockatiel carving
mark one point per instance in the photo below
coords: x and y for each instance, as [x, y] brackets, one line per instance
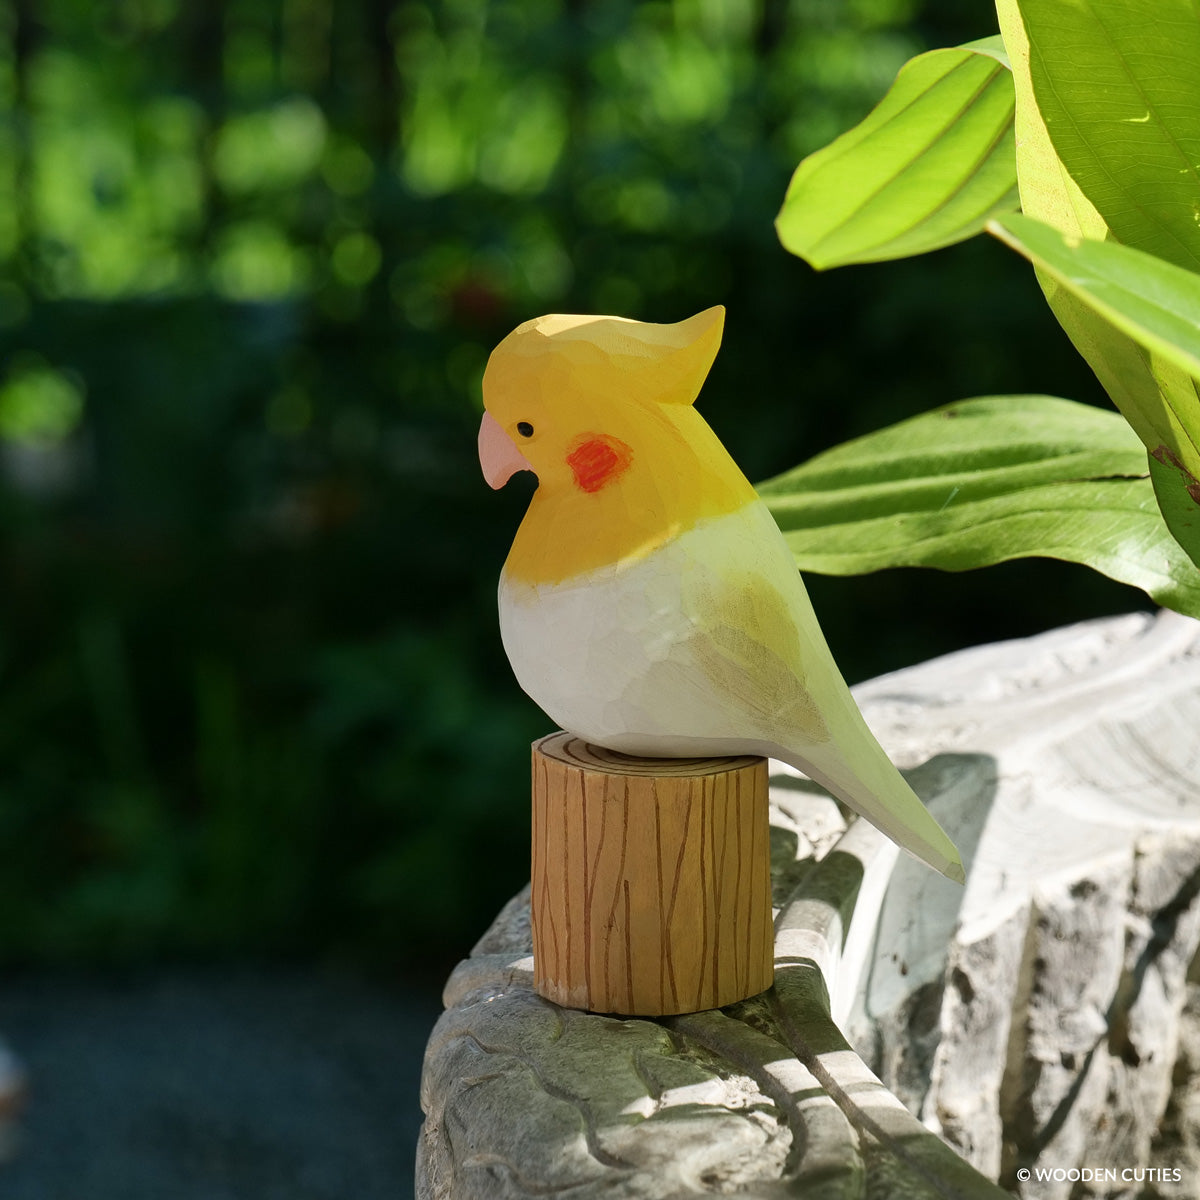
[650, 603]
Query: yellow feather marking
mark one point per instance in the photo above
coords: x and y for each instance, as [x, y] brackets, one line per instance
[752, 653]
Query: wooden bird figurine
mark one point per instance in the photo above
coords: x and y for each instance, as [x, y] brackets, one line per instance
[649, 603]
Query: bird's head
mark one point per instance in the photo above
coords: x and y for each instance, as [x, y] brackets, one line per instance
[576, 399]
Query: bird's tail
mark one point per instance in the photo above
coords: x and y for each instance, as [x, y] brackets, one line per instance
[870, 784]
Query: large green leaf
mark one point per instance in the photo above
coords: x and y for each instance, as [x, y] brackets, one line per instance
[1178, 495]
[1047, 191]
[1147, 388]
[928, 167]
[1155, 303]
[1050, 194]
[980, 482]
[1117, 83]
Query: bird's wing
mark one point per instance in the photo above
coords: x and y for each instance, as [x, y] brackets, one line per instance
[749, 647]
[759, 645]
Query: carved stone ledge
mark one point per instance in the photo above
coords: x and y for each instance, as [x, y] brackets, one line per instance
[1032, 1019]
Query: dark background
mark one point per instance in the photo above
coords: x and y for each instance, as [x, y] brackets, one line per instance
[253, 256]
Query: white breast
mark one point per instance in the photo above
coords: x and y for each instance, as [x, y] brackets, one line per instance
[612, 655]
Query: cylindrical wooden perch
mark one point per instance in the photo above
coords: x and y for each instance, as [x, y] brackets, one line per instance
[651, 889]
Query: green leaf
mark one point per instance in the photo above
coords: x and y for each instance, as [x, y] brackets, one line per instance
[1116, 82]
[1178, 496]
[1148, 389]
[1155, 303]
[1047, 191]
[1050, 194]
[980, 482]
[927, 167]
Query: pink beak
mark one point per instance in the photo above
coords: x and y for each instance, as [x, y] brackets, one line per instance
[498, 457]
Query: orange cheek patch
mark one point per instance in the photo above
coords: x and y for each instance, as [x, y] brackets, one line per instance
[597, 459]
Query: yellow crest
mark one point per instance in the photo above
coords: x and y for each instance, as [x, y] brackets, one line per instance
[612, 356]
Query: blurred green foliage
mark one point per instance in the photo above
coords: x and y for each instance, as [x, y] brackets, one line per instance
[253, 255]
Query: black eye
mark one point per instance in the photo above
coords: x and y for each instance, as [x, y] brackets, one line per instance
[525, 429]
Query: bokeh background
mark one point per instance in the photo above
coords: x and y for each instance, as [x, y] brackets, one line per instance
[253, 256]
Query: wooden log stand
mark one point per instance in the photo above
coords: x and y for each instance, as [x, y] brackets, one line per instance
[651, 880]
